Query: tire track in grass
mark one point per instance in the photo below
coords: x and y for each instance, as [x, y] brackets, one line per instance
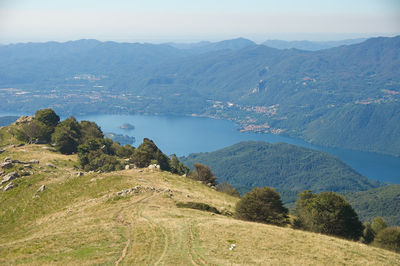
[118, 215]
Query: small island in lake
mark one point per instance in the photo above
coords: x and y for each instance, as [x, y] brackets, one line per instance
[127, 126]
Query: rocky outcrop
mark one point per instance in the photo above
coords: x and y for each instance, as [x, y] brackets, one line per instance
[51, 165]
[9, 177]
[41, 189]
[23, 120]
[9, 186]
[6, 165]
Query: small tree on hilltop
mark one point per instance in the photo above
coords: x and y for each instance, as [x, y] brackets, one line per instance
[147, 152]
[227, 188]
[327, 213]
[66, 136]
[262, 205]
[378, 224]
[203, 173]
[388, 238]
[177, 167]
[47, 117]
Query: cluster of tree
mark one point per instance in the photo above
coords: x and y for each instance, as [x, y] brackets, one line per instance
[380, 235]
[40, 129]
[326, 213]
[148, 153]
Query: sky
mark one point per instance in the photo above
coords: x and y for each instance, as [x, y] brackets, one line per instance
[188, 20]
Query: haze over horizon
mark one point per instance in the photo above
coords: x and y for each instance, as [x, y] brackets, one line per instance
[159, 21]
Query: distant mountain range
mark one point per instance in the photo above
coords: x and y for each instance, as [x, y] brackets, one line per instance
[309, 45]
[347, 96]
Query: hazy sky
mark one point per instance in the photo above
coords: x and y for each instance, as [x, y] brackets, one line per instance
[189, 20]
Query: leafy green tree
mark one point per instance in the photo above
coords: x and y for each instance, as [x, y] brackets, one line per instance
[227, 188]
[327, 213]
[378, 224]
[47, 117]
[148, 151]
[123, 151]
[368, 234]
[176, 167]
[90, 130]
[34, 132]
[203, 173]
[66, 136]
[388, 238]
[262, 205]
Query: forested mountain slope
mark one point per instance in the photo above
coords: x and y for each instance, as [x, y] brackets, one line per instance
[311, 95]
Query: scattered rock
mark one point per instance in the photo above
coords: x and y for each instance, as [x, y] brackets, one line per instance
[51, 165]
[25, 173]
[34, 161]
[46, 148]
[6, 165]
[127, 167]
[93, 179]
[9, 186]
[2, 173]
[41, 189]
[79, 174]
[184, 175]
[154, 166]
[213, 187]
[209, 184]
[99, 172]
[9, 177]
[7, 159]
[1, 151]
[23, 120]
[27, 166]
[20, 145]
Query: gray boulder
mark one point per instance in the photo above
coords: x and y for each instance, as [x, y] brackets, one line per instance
[41, 189]
[51, 165]
[9, 177]
[9, 186]
[6, 165]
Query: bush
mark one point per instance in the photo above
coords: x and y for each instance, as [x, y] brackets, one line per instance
[327, 213]
[66, 136]
[34, 132]
[262, 205]
[176, 167]
[148, 151]
[388, 238]
[198, 206]
[227, 188]
[203, 173]
[90, 130]
[378, 224]
[48, 117]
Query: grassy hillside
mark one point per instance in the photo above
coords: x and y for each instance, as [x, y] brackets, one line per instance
[282, 166]
[83, 220]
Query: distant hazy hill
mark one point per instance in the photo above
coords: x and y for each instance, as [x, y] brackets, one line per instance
[7, 120]
[314, 94]
[282, 166]
[234, 44]
[309, 45]
[383, 201]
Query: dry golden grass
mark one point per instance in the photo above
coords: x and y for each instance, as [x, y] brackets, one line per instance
[82, 221]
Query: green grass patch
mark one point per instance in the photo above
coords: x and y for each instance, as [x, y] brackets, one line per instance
[198, 206]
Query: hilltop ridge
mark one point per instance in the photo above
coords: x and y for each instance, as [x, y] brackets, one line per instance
[130, 217]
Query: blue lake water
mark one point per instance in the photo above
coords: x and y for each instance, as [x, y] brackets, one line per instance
[185, 135]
